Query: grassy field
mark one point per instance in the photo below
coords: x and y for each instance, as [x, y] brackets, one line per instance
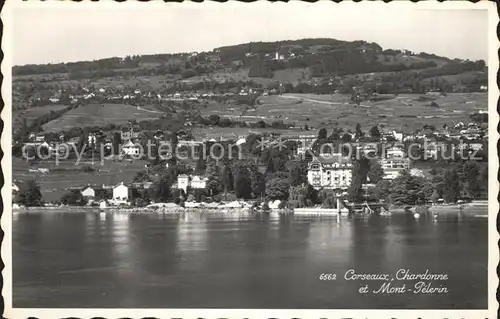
[101, 115]
[288, 75]
[234, 132]
[141, 82]
[38, 77]
[405, 59]
[54, 184]
[32, 114]
[457, 78]
[404, 110]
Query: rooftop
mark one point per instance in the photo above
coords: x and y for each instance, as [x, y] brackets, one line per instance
[335, 158]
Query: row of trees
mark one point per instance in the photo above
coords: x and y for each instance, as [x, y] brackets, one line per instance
[239, 179]
[102, 64]
[466, 181]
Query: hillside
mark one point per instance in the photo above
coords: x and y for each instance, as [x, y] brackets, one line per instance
[265, 62]
[55, 97]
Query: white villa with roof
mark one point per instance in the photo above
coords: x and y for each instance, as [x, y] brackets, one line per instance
[196, 182]
[88, 192]
[121, 194]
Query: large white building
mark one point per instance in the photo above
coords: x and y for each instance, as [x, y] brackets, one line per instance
[393, 166]
[394, 152]
[334, 172]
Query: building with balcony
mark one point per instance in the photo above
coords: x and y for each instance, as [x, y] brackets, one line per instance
[334, 172]
[393, 166]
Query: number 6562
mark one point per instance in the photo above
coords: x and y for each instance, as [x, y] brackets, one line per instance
[328, 276]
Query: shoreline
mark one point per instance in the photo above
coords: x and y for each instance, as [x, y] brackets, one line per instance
[83, 209]
[222, 209]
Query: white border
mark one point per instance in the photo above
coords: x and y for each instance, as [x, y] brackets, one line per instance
[6, 221]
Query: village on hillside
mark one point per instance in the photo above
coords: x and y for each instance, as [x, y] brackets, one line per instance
[322, 141]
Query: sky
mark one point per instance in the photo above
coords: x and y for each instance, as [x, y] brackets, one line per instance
[74, 32]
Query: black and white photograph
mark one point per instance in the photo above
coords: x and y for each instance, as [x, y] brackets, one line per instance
[250, 159]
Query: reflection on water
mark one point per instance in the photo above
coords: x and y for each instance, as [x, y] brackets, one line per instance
[208, 260]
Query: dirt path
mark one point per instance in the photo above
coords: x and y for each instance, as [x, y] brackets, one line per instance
[318, 101]
[150, 111]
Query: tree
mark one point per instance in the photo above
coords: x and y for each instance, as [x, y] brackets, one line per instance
[214, 182]
[322, 133]
[258, 183]
[435, 196]
[451, 189]
[374, 132]
[142, 199]
[174, 140]
[73, 198]
[200, 194]
[277, 187]
[304, 195]
[359, 175]
[44, 151]
[316, 147]
[84, 138]
[438, 181]
[346, 138]
[242, 186]
[376, 172]
[117, 141]
[214, 119]
[200, 166]
[359, 132]
[270, 166]
[298, 174]
[141, 176]
[483, 176]
[410, 190]
[160, 191]
[227, 180]
[380, 191]
[17, 150]
[261, 124]
[29, 194]
[329, 201]
[471, 175]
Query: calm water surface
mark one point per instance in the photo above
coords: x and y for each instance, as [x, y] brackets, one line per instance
[240, 261]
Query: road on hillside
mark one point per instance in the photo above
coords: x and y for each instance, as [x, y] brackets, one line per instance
[151, 111]
[318, 101]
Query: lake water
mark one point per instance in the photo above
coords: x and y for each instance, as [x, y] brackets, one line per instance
[211, 260]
